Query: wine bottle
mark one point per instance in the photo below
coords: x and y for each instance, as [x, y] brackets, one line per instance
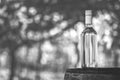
[88, 43]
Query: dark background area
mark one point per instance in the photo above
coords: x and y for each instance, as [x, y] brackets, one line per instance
[39, 38]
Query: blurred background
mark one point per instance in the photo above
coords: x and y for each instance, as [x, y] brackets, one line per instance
[39, 38]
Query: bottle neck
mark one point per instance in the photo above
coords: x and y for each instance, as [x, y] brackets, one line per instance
[88, 20]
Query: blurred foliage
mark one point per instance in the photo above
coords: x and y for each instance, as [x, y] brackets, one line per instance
[39, 38]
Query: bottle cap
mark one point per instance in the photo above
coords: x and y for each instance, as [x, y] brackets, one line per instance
[88, 12]
[88, 16]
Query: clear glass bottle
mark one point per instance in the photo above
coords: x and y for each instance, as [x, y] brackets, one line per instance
[88, 43]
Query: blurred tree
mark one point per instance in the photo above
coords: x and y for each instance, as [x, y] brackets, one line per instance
[28, 22]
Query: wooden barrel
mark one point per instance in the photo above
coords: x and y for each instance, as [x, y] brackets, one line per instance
[92, 74]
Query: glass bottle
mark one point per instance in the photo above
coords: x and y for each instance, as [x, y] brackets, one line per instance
[88, 43]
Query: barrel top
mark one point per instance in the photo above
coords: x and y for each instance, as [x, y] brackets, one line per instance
[94, 70]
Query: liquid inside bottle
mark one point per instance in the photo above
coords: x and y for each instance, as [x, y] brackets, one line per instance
[88, 46]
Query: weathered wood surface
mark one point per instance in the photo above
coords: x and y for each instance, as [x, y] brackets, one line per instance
[93, 74]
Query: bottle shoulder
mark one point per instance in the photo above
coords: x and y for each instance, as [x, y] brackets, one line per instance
[89, 30]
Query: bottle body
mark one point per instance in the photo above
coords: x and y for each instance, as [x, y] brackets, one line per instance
[88, 47]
